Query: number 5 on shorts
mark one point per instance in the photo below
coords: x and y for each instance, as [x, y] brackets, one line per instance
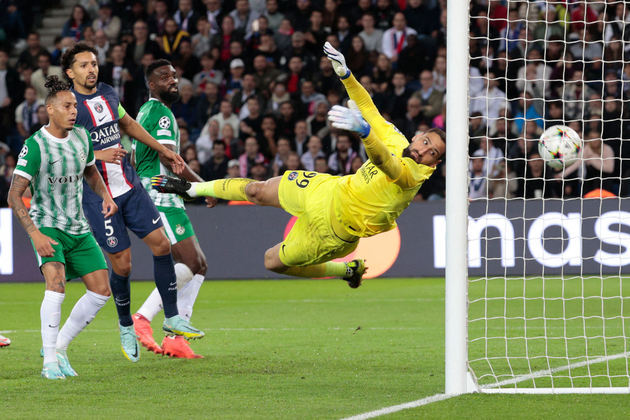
[109, 230]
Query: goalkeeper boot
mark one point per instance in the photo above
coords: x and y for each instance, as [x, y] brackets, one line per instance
[129, 343]
[52, 371]
[177, 346]
[4, 342]
[144, 332]
[356, 269]
[64, 364]
[179, 326]
[172, 185]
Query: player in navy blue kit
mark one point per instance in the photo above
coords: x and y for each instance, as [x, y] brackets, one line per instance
[100, 112]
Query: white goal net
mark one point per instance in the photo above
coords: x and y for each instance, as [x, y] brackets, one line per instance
[549, 251]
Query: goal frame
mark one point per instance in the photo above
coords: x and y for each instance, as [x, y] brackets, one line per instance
[458, 377]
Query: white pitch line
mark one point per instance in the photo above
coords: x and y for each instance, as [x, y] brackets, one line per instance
[513, 381]
[548, 372]
[400, 407]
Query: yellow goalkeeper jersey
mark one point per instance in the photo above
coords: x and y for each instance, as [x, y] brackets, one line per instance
[369, 202]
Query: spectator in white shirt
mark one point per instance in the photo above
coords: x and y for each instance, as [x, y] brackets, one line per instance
[395, 38]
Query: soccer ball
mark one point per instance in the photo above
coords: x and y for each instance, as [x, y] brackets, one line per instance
[559, 146]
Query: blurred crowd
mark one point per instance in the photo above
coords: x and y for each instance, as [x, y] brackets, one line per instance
[541, 63]
[256, 88]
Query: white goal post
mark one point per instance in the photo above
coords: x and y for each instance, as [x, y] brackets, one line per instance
[537, 294]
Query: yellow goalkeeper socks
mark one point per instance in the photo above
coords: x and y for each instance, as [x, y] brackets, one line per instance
[328, 269]
[226, 189]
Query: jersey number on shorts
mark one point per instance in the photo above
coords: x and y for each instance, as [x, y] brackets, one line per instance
[109, 229]
[303, 183]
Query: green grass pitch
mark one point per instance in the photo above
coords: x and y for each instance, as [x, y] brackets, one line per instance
[273, 349]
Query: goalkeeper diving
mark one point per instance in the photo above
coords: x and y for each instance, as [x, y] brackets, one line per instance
[334, 212]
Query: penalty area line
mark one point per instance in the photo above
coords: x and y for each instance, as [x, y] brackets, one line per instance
[400, 407]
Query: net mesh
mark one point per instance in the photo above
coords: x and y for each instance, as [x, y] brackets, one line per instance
[549, 305]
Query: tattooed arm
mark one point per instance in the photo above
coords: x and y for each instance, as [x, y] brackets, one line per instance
[43, 244]
[95, 181]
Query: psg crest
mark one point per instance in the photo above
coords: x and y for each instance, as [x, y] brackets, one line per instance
[112, 241]
[98, 108]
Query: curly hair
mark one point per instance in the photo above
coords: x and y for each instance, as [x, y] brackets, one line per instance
[54, 86]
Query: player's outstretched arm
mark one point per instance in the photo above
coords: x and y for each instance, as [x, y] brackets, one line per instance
[356, 92]
[95, 181]
[42, 243]
[352, 120]
[138, 132]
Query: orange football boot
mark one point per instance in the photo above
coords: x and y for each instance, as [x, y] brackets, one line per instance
[177, 346]
[143, 329]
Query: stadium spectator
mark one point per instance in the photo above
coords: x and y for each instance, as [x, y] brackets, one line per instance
[321, 165]
[382, 73]
[78, 21]
[186, 107]
[340, 162]
[102, 46]
[208, 103]
[107, 22]
[234, 170]
[205, 142]
[226, 116]
[173, 36]
[13, 26]
[264, 73]
[371, 36]
[187, 60]
[141, 44]
[355, 164]
[273, 15]
[202, 40]
[408, 124]
[186, 18]
[318, 123]
[217, 166]
[314, 150]
[42, 119]
[292, 163]
[395, 38]
[478, 182]
[250, 156]
[29, 56]
[243, 17]
[157, 19]
[241, 97]
[38, 79]
[283, 36]
[26, 112]
[250, 125]
[214, 13]
[384, 14]
[283, 149]
[259, 171]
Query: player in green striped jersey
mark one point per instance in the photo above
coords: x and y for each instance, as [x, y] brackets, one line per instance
[53, 162]
[156, 117]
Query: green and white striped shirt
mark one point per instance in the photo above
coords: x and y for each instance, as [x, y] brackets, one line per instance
[160, 122]
[55, 168]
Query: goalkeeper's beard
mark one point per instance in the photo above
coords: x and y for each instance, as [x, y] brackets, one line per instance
[407, 152]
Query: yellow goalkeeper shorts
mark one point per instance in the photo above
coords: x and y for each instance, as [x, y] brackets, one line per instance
[312, 240]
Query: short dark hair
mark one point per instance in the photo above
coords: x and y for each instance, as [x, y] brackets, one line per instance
[157, 63]
[54, 86]
[439, 132]
[68, 57]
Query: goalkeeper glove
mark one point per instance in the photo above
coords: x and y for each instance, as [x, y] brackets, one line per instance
[338, 61]
[349, 119]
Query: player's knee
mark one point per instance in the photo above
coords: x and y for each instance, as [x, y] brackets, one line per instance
[199, 265]
[255, 192]
[101, 289]
[162, 247]
[272, 261]
[121, 263]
